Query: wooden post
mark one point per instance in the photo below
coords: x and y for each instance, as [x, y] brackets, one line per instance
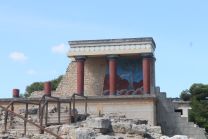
[70, 113]
[59, 112]
[86, 106]
[26, 115]
[46, 114]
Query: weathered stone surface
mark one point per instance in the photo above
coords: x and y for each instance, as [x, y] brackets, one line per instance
[99, 122]
[66, 129]
[4, 136]
[54, 129]
[154, 131]
[179, 137]
[84, 133]
[105, 137]
[94, 128]
[42, 136]
[175, 137]
[138, 129]
[154, 135]
[164, 137]
[121, 127]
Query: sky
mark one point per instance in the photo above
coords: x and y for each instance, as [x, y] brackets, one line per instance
[34, 37]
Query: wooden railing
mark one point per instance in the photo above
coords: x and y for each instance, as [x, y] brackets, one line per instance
[43, 108]
[29, 121]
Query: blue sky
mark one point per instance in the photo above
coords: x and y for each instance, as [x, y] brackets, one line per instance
[34, 36]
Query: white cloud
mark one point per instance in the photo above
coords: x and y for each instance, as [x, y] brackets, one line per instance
[18, 56]
[31, 72]
[59, 49]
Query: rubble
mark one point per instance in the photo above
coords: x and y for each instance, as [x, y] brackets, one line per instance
[111, 126]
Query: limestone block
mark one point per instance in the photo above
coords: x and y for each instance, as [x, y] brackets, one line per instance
[164, 137]
[99, 122]
[139, 129]
[104, 137]
[179, 137]
[154, 129]
[42, 136]
[84, 133]
[121, 127]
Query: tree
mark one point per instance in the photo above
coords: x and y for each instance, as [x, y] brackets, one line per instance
[185, 95]
[199, 105]
[38, 86]
[56, 82]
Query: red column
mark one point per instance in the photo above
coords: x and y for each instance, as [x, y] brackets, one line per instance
[146, 64]
[15, 93]
[47, 88]
[112, 74]
[80, 75]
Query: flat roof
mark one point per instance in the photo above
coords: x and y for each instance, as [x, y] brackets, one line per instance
[103, 47]
[78, 43]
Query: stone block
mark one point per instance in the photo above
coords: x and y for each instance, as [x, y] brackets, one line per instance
[121, 127]
[155, 129]
[138, 129]
[104, 137]
[66, 129]
[179, 137]
[84, 133]
[99, 122]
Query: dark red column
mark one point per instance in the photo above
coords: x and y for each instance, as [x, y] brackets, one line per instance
[146, 64]
[80, 75]
[112, 74]
[15, 93]
[47, 88]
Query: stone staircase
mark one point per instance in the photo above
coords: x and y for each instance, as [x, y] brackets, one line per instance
[172, 123]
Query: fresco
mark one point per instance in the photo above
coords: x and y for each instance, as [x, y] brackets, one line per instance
[129, 77]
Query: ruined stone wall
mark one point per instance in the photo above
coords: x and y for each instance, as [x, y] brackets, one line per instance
[95, 69]
[67, 86]
[93, 78]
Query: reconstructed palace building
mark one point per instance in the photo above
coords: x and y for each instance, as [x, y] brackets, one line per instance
[117, 76]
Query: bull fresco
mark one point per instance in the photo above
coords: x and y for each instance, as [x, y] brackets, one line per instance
[129, 77]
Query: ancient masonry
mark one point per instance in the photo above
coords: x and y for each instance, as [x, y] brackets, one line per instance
[100, 60]
[117, 76]
[132, 58]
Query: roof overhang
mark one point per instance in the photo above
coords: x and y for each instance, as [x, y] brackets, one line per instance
[127, 46]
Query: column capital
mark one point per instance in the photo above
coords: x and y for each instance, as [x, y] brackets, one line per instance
[80, 58]
[148, 56]
[112, 56]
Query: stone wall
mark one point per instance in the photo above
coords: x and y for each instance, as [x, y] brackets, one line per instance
[93, 78]
[140, 106]
[67, 86]
[95, 69]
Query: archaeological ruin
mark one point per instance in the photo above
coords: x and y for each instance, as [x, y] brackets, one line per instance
[105, 77]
